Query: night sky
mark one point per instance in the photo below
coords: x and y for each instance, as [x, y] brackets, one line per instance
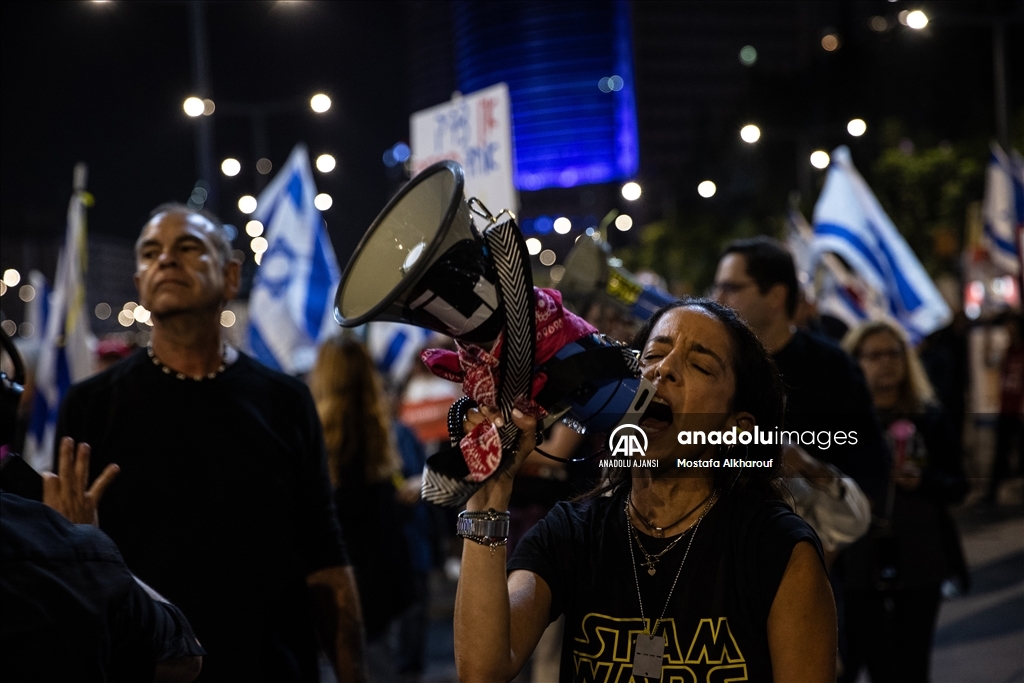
[104, 83]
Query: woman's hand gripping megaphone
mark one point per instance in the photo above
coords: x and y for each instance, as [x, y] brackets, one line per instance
[496, 491]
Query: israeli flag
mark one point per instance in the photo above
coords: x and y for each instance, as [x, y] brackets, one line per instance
[849, 222]
[67, 350]
[395, 347]
[292, 300]
[1003, 209]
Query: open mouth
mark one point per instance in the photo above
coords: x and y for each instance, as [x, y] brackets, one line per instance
[658, 416]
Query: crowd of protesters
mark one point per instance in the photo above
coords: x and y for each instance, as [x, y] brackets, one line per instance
[281, 526]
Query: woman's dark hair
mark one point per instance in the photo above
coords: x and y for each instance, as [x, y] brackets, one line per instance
[758, 392]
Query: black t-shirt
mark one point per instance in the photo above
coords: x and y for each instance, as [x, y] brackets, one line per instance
[718, 614]
[222, 504]
[826, 392]
[71, 610]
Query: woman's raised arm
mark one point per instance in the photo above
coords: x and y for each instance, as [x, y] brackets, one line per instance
[498, 619]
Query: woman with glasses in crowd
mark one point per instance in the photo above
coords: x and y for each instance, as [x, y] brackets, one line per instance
[893, 577]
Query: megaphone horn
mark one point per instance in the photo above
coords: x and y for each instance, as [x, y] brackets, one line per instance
[589, 272]
[423, 262]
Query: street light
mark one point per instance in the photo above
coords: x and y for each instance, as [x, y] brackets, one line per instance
[631, 191]
[856, 127]
[917, 20]
[193, 106]
[323, 201]
[247, 204]
[320, 103]
[325, 163]
[750, 133]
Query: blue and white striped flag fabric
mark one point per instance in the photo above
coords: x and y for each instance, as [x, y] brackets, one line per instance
[1003, 209]
[849, 222]
[67, 350]
[292, 300]
[395, 347]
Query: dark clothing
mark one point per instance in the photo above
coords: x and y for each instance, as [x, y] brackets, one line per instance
[222, 504]
[924, 549]
[825, 391]
[891, 635]
[718, 611]
[893, 576]
[71, 610]
[369, 515]
[1010, 421]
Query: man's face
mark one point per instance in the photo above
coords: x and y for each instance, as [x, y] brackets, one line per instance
[178, 269]
[737, 290]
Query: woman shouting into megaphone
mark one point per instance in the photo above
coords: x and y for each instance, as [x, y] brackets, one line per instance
[685, 561]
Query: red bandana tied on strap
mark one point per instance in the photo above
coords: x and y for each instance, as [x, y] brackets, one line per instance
[477, 371]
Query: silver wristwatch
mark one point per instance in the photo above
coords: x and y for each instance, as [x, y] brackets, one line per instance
[490, 525]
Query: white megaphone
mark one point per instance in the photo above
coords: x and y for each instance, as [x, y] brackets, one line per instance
[423, 262]
[590, 276]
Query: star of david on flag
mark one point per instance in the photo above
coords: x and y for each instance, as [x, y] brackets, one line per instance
[292, 298]
[849, 222]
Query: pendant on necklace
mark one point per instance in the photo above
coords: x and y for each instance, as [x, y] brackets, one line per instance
[650, 567]
[648, 656]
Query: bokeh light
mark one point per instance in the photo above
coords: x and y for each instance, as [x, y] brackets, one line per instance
[917, 20]
[547, 257]
[563, 225]
[631, 191]
[748, 55]
[320, 103]
[247, 204]
[323, 201]
[193, 106]
[856, 127]
[707, 189]
[230, 167]
[325, 163]
[750, 133]
[819, 158]
[623, 222]
[227, 318]
[11, 277]
[254, 228]
[533, 246]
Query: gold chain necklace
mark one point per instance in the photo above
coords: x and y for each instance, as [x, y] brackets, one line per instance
[651, 561]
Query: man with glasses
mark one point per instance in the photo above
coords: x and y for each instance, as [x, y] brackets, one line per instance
[825, 390]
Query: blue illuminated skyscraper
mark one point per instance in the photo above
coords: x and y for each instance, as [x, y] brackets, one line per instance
[569, 69]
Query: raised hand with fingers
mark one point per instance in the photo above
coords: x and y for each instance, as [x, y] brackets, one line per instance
[69, 493]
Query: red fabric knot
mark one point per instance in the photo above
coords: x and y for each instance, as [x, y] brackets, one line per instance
[478, 371]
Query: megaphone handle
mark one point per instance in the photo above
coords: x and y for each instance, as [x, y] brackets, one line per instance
[515, 284]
